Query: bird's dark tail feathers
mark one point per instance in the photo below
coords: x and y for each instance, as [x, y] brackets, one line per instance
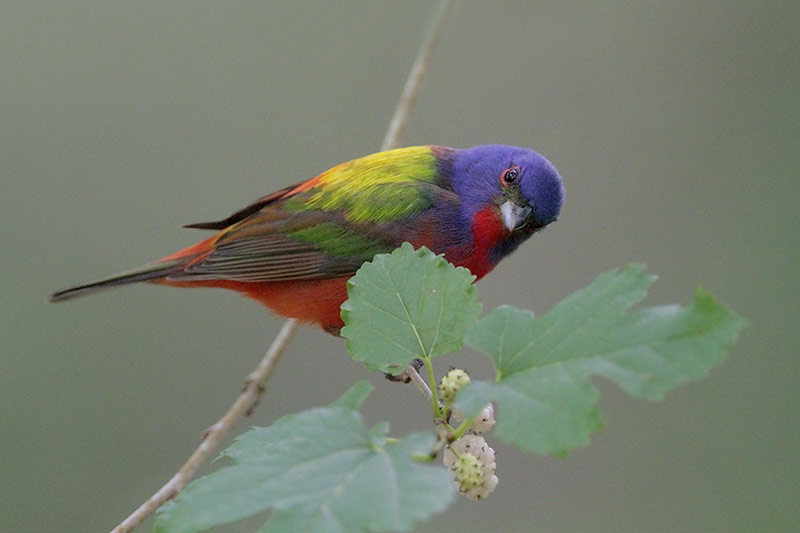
[147, 272]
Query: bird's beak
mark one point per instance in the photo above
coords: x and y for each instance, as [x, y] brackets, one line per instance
[514, 216]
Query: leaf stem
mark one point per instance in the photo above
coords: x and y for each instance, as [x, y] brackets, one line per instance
[446, 437]
[437, 407]
[461, 429]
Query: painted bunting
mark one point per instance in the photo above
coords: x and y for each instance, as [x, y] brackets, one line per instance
[294, 250]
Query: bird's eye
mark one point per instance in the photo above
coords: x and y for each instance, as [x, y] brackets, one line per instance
[510, 176]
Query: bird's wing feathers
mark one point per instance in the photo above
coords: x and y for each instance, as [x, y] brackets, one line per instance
[326, 227]
[245, 212]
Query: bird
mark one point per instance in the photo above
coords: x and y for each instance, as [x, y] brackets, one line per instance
[294, 250]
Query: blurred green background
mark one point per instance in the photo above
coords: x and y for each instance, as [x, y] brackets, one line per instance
[676, 127]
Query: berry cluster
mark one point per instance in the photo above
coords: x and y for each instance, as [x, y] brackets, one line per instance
[469, 457]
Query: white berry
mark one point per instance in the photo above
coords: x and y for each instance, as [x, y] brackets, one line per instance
[473, 464]
[480, 424]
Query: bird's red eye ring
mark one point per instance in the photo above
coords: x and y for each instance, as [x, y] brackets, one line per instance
[510, 176]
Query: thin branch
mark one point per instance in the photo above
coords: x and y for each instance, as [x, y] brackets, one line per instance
[253, 388]
[420, 383]
[255, 382]
[420, 68]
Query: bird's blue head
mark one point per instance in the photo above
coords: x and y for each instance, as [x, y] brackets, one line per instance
[524, 186]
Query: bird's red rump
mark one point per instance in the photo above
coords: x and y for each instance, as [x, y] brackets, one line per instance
[315, 301]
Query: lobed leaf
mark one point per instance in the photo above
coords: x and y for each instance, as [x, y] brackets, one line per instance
[407, 304]
[355, 395]
[542, 388]
[319, 470]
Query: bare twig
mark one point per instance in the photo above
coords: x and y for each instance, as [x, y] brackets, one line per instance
[256, 381]
[422, 63]
[417, 380]
[253, 387]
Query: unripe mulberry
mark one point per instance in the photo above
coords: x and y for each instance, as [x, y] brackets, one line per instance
[451, 383]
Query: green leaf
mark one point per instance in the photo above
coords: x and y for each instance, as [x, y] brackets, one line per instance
[419, 491]
[407, 304]
[355, 395]
[542, 390]
[319, 470]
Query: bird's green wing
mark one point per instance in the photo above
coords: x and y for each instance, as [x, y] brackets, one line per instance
[327, 226]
